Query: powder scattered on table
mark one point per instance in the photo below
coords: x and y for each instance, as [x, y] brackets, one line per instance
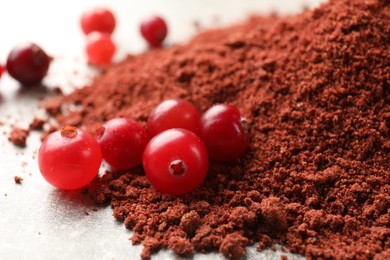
[315, 91]
[18, 180]
[18, 136]
[37, 124]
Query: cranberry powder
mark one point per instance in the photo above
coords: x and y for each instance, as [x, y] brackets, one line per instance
[314, 89]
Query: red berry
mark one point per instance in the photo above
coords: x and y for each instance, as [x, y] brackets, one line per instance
[175, 161]
[1, 70]
[100, 48]
[154, 30]
[98, 19]
[69, 158]
[28, 64]
[224, 132]
[123, 142]
[173, 113]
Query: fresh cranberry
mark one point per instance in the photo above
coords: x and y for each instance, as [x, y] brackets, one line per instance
[123, 142]
[69, 158]
[173, 113]
[98, 19]
[100, 48]
[224, 132]
[175, 161]
[1, 70]
[154, 30]
[28, 64]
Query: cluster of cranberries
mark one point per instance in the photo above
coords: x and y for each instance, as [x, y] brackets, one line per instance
[174, 150]
[29, 64]
[99, 23]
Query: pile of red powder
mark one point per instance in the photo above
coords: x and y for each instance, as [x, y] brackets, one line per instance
[315, 91]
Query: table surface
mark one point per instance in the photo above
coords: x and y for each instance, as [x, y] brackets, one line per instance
[37, 221]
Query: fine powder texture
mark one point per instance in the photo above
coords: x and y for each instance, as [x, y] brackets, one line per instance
[314, 89]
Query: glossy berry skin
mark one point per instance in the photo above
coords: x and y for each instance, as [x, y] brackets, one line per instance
[98, 19]
[154, 30]
[175, 161]
[28, 64]
[173, 113]
[70, 158]
[224, 133]
[100, 49]
[123, 142]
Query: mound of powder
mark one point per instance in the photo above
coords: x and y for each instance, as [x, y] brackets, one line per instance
[315, 91]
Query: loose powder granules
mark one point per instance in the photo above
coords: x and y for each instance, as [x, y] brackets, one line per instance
[315, 91]
[18, 180]
[37, 124]
[18, 136]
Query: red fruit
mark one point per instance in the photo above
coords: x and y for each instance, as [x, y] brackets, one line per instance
[100, 48]
[98, 19]
[173, 113]
[175, 161]
[223, 131]
[28, 64]
[123, 142]
[1, 70]
[70, 158]
[154, 30]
